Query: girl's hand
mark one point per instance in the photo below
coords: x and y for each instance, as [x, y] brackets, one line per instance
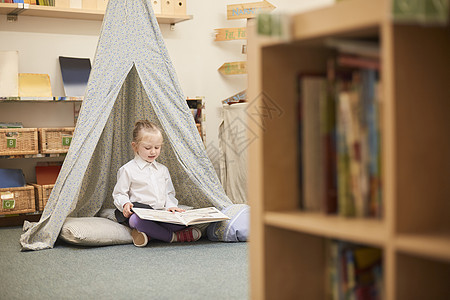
[174, 209]
[127, 209]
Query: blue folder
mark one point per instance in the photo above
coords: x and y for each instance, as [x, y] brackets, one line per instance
[11, 178]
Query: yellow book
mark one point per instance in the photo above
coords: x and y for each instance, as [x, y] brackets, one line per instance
[34, 85]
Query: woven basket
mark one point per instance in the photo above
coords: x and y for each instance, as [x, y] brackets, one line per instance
[42, 194]
[18, 200]
[18, 141]
[55, 140]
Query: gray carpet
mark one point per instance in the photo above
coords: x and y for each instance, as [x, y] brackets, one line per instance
[200, 270]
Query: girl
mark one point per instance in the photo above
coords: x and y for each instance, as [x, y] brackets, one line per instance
[145, 183]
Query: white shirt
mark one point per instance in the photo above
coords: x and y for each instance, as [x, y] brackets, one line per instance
[144, 182]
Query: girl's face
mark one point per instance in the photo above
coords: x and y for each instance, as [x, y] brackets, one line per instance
[149, 147]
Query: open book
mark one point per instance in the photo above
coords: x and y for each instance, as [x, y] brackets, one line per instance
[189, 217]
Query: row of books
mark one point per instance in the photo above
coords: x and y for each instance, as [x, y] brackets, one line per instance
[354, 271]
[195, 106]
[32, 2]
[339, 136]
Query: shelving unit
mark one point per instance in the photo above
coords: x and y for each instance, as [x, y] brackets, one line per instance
[72, 13]
[287, 247]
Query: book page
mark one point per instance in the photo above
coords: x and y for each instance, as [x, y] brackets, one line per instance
[189, 217]
[203, 215]
[159, 215]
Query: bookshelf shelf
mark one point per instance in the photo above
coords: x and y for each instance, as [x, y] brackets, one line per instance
[73, 13]
[6, 8]
[289, 246]
[349, 18]
[364, 231]
[434, 246]
[39, 100]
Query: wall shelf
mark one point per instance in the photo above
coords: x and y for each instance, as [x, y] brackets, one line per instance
[20, 9]
[40, 99]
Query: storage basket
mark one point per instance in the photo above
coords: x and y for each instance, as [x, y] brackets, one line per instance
[42, 194]
[18, 141]
[18, 200]
[55, 140]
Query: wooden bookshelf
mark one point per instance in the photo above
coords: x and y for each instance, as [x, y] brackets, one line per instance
[73, 13]
[362, 231]
[287, 246]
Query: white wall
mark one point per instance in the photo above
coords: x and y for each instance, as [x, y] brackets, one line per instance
[191, 45]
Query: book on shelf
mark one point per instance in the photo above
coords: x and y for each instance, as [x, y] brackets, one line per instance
[428, 12]
[46, 2]
[317, 151]
[358, 146]
[10, 178]
[328, 134]
[9, 68]
[312, 89]
[11, 125]
[354, 271]
[358, 61]
[339, 138]
[367, 48]
[188, 217]
[195, 106]
[47, 173]
[34, 85]
[75, 73]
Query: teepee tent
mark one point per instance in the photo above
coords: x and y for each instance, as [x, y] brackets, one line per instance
[132, 78]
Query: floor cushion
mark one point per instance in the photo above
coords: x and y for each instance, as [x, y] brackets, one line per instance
[95, 231]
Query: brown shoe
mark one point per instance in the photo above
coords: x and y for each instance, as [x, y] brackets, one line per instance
[140, 239]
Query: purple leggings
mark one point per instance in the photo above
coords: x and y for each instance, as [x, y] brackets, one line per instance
[155, 230]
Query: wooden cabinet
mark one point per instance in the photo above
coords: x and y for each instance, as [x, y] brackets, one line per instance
[288, 246]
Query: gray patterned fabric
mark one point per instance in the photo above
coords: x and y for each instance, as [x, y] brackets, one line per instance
[132, 78]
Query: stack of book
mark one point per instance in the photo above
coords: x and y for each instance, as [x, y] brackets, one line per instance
[354, 271]
[339, 133]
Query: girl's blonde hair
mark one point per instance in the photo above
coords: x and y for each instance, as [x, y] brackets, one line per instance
[144, 125]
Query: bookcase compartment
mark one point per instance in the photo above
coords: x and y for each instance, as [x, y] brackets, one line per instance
[300, 259]
[413, 231]
[281, 68]
[421, 278]
[422, 105]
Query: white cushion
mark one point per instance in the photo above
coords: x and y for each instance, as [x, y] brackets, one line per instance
[95, 231]
[107, 213]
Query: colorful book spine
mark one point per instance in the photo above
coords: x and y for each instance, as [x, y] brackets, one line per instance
[354, 271]
[349, 139]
